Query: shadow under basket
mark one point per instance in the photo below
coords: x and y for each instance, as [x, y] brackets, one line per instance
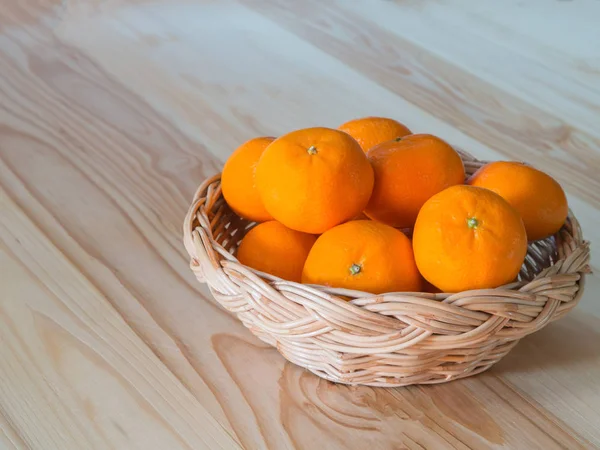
[393, 339]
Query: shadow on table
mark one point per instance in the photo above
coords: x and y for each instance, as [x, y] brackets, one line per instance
[572, 342]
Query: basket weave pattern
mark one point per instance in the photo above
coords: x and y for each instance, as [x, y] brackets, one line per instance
[393, 339]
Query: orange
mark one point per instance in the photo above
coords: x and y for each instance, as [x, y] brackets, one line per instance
[469, 238]
[238, 180]
[273, 248]
[363, 255]
[535, 195]
[370, 131]
[313, 179]
[408, 172]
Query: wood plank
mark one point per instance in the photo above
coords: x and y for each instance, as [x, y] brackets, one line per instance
[470, 39]
[74, 374]
[544, 361]
[574, 53]
[210, 93]
[9, 437]
[525, 29]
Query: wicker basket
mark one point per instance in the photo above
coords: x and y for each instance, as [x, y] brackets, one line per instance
[393, 339]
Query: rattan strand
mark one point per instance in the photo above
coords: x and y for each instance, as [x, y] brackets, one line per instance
[394, 339]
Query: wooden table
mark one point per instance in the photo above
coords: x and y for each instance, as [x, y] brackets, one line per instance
[113, 111]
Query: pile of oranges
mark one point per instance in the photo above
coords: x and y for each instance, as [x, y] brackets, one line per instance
[372, 207]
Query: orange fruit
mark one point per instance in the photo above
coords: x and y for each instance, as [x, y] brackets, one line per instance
[363, 255]
[313, 179]
[408, 172]
[273, 248]
[469, 238]
[535, 195]
[238, 180]
[370, 131]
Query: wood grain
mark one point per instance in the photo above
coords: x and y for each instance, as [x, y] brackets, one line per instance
[61, 370]
[113, 111]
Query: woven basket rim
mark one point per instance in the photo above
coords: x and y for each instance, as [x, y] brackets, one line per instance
[189, 229]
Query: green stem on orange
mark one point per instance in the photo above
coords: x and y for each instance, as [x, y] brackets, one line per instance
[355, 269]
[312, 150]
[472, 222]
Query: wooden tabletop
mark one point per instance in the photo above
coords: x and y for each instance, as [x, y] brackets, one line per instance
[112, 112]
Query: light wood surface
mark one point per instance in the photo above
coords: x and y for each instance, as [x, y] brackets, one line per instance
[113, 111]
